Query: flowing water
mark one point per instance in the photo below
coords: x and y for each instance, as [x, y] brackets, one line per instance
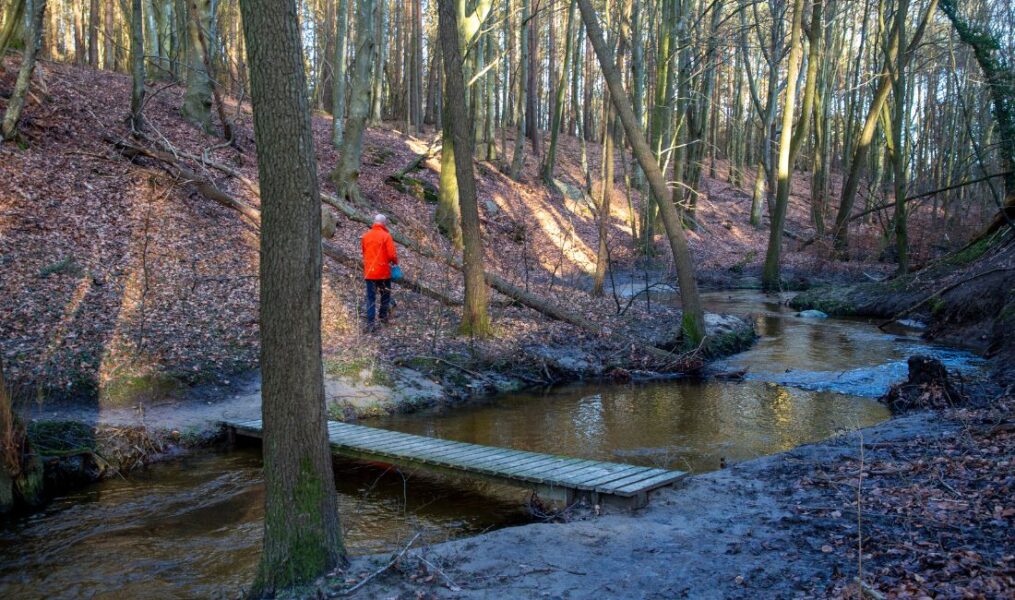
[191, 527]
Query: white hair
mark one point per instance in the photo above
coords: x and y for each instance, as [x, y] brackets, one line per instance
[380, 219]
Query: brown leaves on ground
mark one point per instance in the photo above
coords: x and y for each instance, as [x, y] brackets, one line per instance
[937, 521]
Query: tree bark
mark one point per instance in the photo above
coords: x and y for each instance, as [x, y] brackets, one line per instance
[302, 535]
[558, 105]
[693, 324]
[518, 157]
[770, 270]
[338, 76]
[197, 99]
[33, 39]
[475, 319]
[137, 71]
[346, 173]
[12, 24]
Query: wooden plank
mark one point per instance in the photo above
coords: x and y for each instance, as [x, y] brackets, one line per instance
[652, 483]
[615, 475]
[616, 484]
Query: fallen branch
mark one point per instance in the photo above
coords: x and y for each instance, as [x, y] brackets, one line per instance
[392, 563]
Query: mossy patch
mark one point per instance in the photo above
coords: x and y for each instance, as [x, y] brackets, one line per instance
[360, 370]
[129, 389]
[61, 438]
[66, 266]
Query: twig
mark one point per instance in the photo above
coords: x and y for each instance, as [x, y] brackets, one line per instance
[392, 563]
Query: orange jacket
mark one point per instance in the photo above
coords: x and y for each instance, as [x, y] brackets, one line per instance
[378, 251]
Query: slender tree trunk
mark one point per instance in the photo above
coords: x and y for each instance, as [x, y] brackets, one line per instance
[137, 70]
[558, 105]
[770, 271]
[33, 40]
[475, 320]
[338, 76]
[532, 89]
[518, 156]
[302, 535]
[346, 173]
[377, 95]
[693, 323]
[899, 155]
[93, 34]
[12, 24]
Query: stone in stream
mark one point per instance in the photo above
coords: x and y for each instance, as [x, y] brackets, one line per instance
[812, 314]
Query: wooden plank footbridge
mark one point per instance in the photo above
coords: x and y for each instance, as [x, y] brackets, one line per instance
[555, 477]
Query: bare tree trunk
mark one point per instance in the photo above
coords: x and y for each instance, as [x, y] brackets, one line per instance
[770, 271]
[346, 173]
[475, 320]
[693, 324]
[197, 100]
[302, 535]
[558, 105]
[338, 75]
[137, 70]
[518, 157]
[899, 155]
[93, 34]
[12, 24]
[33, 39]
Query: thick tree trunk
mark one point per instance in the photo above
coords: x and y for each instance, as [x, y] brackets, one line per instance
[475, 320]
[33, 39]
[693, 325]
[302, 535]
[346, 173]
[197, 100]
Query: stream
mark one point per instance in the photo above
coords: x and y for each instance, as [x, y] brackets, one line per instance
[191, 527]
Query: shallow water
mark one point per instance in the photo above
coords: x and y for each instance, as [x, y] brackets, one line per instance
[191, 527]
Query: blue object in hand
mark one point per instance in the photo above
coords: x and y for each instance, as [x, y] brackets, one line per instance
[396, 273]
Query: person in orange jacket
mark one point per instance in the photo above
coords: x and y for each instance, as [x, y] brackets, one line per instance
[378, 256]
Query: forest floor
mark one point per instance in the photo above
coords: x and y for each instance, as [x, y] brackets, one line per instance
[918, 506]
[124, 285]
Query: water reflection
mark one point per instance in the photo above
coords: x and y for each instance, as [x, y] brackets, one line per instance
[681, 425]
[192, 528]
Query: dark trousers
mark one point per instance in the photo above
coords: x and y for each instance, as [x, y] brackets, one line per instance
[375, 286]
